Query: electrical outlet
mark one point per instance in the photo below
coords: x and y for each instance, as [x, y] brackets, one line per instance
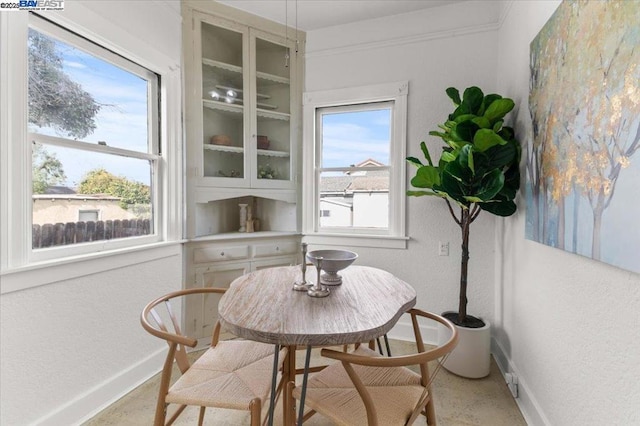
[512, 383]
[443, 248]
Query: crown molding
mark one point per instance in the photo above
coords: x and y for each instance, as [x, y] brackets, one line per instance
[475, 29]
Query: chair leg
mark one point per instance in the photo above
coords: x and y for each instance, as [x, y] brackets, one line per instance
[255, 407]
[290, 404]
[201, 416]
[161, 412]
[431, 413]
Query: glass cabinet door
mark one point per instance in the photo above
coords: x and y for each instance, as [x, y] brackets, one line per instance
[224, 102]
[272, 160]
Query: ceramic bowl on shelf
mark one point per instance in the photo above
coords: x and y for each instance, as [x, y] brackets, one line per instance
[332, 262]
[263, 142]
[220, 140]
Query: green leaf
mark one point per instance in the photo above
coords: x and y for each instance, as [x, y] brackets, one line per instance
[465, 131]
[473, 199]
[488, 100]
[505, 208]
[465, 158]
[472, 99]
[498, 109]
[464, 117]
[500, 156]
[481, 122]
[454, 94]
[416, 162]
[461, 110]
[486, 138]
[447, 157]
[491, 184]
[497, 126]
[445, 137]
[425, 151]
[426, 177]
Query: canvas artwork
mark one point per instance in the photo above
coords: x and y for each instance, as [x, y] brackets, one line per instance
[583, 165]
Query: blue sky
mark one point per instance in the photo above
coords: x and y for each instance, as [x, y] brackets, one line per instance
[352, 137]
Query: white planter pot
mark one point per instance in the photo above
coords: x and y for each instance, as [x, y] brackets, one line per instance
[471, 358]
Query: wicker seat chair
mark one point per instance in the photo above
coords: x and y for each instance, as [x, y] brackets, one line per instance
[232, 374]
[365, 388]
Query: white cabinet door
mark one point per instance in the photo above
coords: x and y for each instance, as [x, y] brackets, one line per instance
[204, 312]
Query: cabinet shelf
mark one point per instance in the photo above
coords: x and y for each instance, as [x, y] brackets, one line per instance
[240, 150]
[223, 106]
[273, 115]
[238, 109]
[234, 68]
[225, 88]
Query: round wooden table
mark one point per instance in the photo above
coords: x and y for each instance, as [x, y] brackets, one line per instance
[262, 306]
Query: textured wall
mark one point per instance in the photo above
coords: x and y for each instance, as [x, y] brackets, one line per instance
[432, 49]
[568, 324]
[62, 340]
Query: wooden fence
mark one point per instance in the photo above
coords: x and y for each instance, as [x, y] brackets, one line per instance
[59, 234]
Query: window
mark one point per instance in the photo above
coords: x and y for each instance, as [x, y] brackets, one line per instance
[93, 129]
[88, 215]
[354, 165]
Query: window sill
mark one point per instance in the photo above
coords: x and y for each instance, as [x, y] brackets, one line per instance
[49, 272]
[361, 240]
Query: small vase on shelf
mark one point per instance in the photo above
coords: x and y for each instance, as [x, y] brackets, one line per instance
[243, 218]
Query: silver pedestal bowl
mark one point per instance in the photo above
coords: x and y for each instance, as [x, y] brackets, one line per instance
[332, 262]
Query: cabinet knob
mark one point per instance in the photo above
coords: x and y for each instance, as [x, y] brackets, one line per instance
[221, 253]
[277, 248]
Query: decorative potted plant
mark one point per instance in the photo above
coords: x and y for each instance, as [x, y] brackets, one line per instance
[478, 170]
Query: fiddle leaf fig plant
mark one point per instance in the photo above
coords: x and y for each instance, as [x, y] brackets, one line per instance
[478, 169]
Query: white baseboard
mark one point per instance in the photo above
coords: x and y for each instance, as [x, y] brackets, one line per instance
[526, 401]
[87, 405]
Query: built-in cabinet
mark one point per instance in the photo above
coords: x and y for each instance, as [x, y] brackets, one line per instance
[243, 102]
[216, 263]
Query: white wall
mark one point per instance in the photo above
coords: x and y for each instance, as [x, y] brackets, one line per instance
[433, 49]
[70, 347]
[567, 325]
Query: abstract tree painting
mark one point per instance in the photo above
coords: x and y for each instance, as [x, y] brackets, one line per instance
[583, 166]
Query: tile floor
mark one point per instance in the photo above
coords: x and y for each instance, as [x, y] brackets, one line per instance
[459, 402]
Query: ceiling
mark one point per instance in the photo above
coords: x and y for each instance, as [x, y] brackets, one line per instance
[317, 14]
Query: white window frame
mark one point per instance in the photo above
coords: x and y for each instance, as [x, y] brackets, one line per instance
[313, 103]
[152, 154]
[16, 255]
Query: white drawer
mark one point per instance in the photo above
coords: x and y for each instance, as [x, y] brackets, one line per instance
[218, 254]
[275, 249]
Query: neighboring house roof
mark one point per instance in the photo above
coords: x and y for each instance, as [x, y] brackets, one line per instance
[364, 181]
[369, 162]
[66, 193]
[59, 190]
[101, 197]
[338, 201]
[335, 183]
